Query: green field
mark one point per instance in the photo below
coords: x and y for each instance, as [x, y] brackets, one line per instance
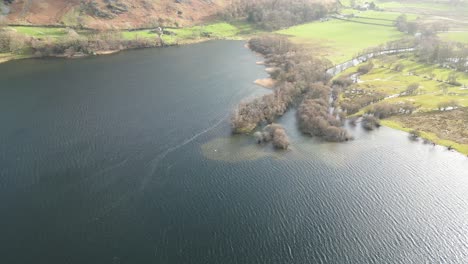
[440, 127]
[427, 7]
[41, 31]
[440, 5]
[417, 5]
[380, 15]
[455, 36]
[431, 92]
[215, 31]
[341, 40]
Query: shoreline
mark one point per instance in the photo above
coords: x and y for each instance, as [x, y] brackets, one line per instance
[268, 83]
[67, 57]
[458, 147]
[13, 57]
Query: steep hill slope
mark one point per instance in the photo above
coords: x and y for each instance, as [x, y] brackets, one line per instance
[111, 13]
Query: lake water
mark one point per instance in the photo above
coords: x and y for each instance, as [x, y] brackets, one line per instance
[129, 159]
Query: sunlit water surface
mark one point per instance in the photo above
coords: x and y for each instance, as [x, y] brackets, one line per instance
[129, 159]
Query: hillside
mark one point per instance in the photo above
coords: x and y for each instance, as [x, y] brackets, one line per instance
[127, 14]
[104, 14]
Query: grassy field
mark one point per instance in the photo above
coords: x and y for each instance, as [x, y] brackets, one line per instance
[441, 5]
[457, 14]
[416, 5]
[430, 93]
[341, 40]
[41, 31]
[380, 15]
[214, 31]
[448, 128]
[455, 36]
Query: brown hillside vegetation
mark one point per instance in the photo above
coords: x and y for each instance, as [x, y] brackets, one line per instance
[452, 125]
[125, 14]
[105, 14]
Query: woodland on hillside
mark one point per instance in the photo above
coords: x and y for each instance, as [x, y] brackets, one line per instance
[273, 14]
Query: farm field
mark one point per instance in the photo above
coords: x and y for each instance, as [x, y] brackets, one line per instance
[455, 36]
[41, 31]
[216, 30]
[340, 40]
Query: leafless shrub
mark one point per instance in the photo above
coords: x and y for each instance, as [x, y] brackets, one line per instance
[370, 122]
[275, 133]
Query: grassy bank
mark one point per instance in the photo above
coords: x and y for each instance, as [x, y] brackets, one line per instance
[5, 57]
[462, 148]
[57, 36]
[433, 87]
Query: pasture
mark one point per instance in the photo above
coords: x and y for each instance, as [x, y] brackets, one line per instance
[340, 40]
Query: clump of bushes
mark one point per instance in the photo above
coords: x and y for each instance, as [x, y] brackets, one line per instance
[412, 89]
[342, 82]
[448, 104]
[248, 115]
[414, 134]
[399, 67]
[355, 102]
[370, 122]
[366, 68]
[302, 80]
[384, 110]
[274, 133]
[315, 120]
[296, 74]
[13, 42]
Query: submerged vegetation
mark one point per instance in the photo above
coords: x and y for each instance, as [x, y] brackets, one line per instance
[302, 80]
[426, 82]
[274, 133]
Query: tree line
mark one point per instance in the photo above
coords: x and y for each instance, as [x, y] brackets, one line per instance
[276, 14]
[432, 50]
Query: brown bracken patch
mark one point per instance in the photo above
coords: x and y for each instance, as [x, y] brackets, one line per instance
[451, 125]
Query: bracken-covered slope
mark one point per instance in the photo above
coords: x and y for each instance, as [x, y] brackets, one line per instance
[123, 14]
[106, 14]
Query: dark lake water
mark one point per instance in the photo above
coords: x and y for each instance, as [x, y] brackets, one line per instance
[129, 159]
